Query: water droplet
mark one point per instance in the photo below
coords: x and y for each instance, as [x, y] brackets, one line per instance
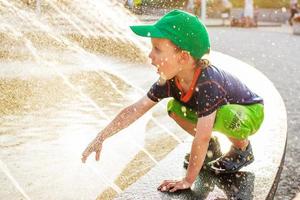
[209, 154]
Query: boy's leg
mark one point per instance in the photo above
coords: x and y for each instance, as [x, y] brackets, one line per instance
[186, 125]
[191, 129]
[184, 117]
[240, 144]
[237, 122]
[187, 119]
[233, 160]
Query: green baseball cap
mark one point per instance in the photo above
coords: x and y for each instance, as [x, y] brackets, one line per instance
[183, 29]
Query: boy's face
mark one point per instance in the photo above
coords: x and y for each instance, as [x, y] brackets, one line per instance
[165, 57]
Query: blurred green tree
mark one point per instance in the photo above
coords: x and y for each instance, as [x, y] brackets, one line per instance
[216, 3]
[263, 3]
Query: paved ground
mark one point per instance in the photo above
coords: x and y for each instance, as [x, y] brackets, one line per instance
[275, 52]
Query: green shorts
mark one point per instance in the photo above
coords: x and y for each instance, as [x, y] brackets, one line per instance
[233, 120]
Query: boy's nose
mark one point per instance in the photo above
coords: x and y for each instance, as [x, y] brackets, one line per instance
[150, 55]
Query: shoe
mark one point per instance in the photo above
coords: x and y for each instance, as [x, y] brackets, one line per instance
[233, 161]
[213, 152]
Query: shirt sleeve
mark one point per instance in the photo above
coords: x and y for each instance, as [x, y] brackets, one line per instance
[211, 95]
[157, 92]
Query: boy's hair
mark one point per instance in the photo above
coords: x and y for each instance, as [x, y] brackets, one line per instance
[200, 62]
[203, 63]
[184, 29]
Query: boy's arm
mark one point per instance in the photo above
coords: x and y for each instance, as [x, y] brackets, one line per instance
[199, 146]
[197, 156]
[126, 117]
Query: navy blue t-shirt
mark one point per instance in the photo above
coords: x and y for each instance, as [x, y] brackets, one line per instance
[213, 88]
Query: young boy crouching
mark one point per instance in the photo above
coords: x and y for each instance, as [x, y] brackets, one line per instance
[204, 98]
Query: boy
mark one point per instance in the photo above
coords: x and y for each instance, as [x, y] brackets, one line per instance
[205, 97]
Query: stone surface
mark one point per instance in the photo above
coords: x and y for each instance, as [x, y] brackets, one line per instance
[273, 51]
[207, 186]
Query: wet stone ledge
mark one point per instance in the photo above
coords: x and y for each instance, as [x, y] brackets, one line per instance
[243, 185]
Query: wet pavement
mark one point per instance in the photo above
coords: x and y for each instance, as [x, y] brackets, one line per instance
[273, 51]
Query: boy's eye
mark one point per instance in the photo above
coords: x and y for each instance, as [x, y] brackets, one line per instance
[156, 49]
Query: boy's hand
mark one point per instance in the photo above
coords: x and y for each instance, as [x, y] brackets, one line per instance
[95, 146]
[172, 186]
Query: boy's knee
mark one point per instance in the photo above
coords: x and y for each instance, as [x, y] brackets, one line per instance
[177, 111]
[172, 115]
[171, 107]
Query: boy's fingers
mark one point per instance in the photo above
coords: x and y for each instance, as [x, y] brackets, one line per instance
[85, 154]
[162, 188]
[161, 185]
[164, 185]
[165, 182]
[170, 185]
[174, 189]
[97, 155]
[84, 157]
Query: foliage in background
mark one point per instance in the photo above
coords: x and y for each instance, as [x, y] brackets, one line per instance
[263, 3]
[217, 3]
[164, 3]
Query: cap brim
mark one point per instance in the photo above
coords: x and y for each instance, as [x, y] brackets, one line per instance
[147, 31]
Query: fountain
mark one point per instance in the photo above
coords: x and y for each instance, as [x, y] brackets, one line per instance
[58, 91]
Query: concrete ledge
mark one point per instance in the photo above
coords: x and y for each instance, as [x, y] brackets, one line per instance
[257, 181]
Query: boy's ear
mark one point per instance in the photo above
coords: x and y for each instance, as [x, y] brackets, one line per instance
[184, 57]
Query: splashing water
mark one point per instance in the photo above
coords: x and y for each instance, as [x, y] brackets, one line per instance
[55, 92]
